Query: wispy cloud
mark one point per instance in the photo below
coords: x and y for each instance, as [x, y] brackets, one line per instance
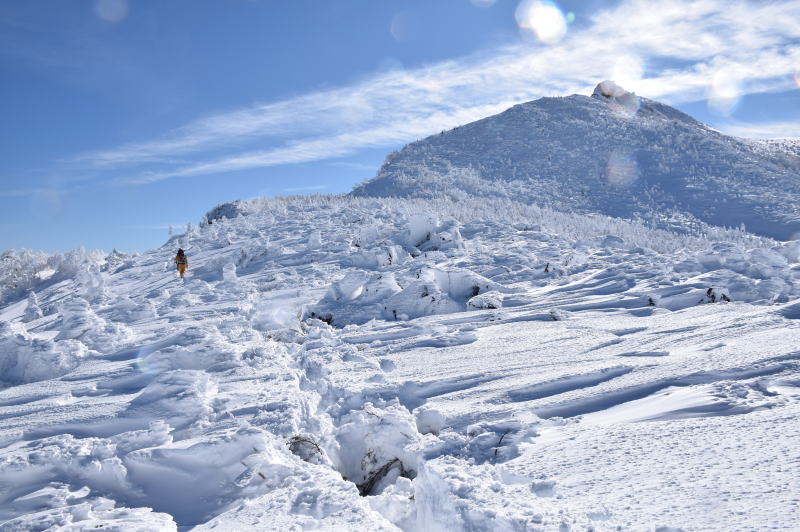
[24, 192]
[305, 189]
[684, 47]
[336, 145]
[157, 227]
[767, 130]
[355, 166]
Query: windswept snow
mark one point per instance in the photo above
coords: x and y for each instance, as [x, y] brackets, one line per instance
[340, 363]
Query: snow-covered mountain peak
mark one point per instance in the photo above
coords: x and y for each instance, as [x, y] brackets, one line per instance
[614, 153]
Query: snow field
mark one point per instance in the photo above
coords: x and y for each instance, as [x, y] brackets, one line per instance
[341, 364]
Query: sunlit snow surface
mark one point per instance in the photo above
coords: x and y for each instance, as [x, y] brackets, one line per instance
[488, 366]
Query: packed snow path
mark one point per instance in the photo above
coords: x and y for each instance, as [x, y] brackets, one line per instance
[342, 364]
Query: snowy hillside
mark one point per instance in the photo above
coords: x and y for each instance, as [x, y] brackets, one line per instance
[613, 153]
[340, 363]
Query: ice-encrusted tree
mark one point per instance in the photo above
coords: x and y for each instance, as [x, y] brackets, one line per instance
[93, 283]
[32, 310]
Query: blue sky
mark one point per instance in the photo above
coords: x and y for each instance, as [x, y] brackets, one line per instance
[122, 117]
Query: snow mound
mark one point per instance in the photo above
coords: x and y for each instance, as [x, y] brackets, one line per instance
[358, 298]
[376, 446]
[489, 300]
[80, 322]
[426, 233]
[437, 291]
[179, 398]
[25, 358]
[199, 347]
[58, 507]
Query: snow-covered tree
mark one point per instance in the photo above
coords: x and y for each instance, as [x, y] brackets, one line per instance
[32, 310]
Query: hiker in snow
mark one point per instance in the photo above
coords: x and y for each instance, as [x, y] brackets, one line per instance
[181, 262]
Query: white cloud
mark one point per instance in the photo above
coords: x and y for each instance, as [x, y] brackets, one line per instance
[676, 49]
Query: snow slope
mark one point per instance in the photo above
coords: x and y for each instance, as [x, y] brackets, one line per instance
[340, 363]
[612, 153]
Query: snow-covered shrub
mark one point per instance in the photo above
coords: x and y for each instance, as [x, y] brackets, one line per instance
[229, 273]
[199, 347]
[117, 261]
[420, 229]
[32, 309]
[25, 358]
[356, 298]
[367, 235]
[225, 211]
[92, 282]
[125, 310]
[429, 420]
[71, 263]
[376, 446]
[426, 233]
[375, 259]
[314, 241]
[78, 321]
[498, 441]
[348, 288]
[21, 270]
[436, 291]
[489, 300]
[612, 242]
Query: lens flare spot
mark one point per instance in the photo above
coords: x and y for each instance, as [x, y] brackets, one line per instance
[542, 18]
[797, 79]
[111, 10]
[724, 92]
[400, 27]
[622, 169]
[147, 361]
[273, 317]
[142, 362]
[628, 71]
